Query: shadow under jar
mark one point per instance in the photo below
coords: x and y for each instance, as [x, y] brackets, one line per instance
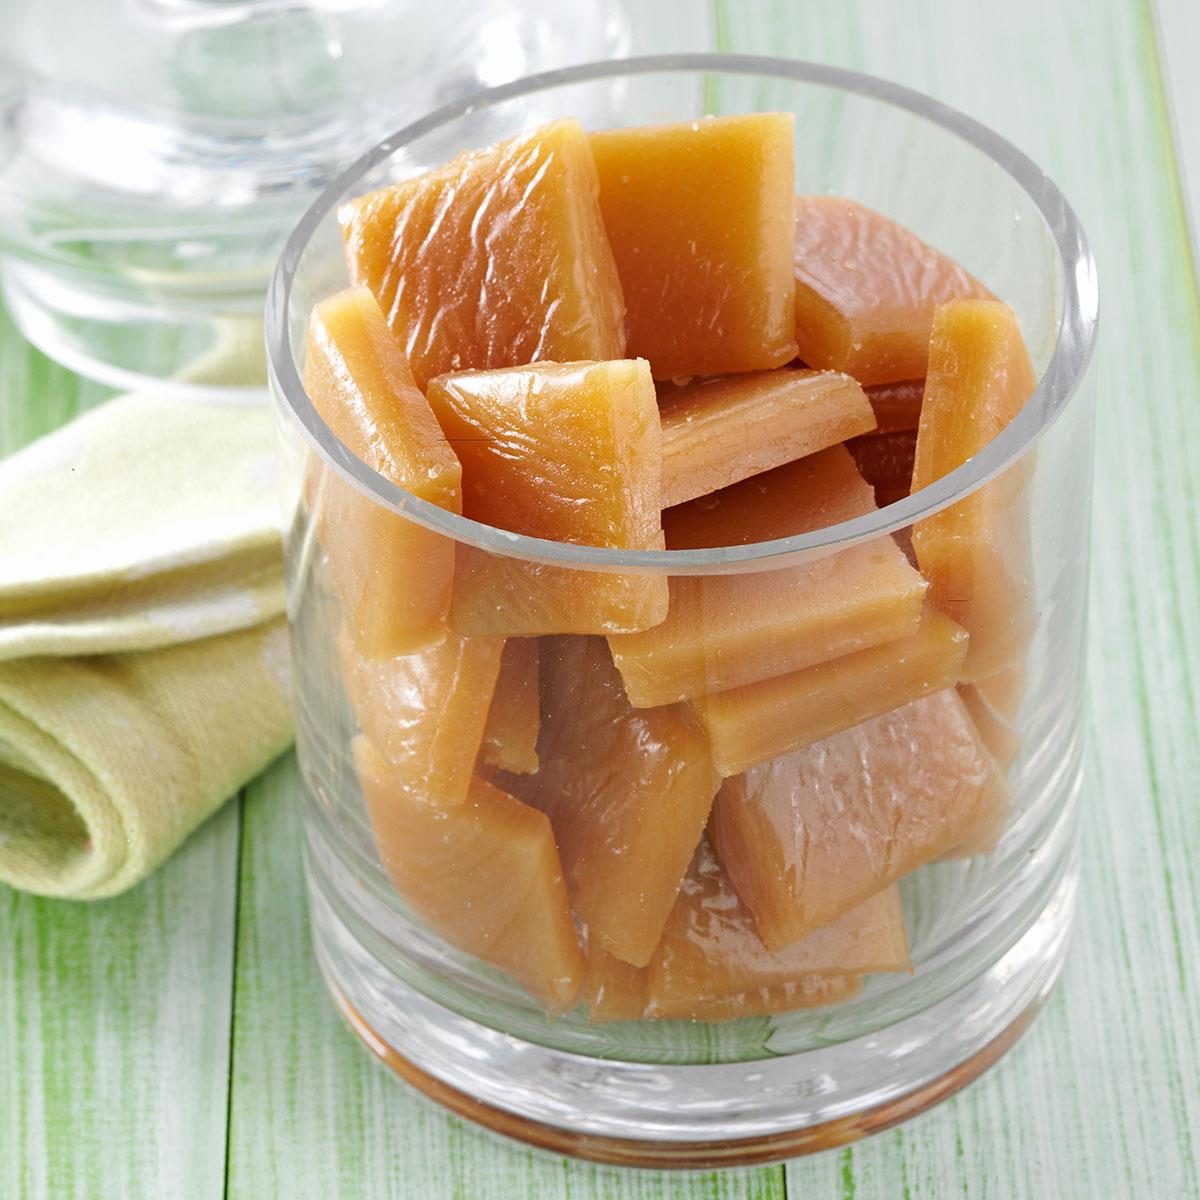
[758, 764]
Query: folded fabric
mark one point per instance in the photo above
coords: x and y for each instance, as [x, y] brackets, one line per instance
[107, 763]
[143, 656]
[145, 522]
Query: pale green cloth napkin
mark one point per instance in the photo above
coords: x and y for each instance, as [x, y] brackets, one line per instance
[143, 653]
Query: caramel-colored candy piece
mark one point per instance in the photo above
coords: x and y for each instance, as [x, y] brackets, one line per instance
[808, 991]
[992, 703]
[717, 432]
[615, 991]
[710, 948]
[699, 215]
[1004, 690]
[897, 406]
[426, 712]
[885, 461]
[984, 835]
[627, 791]
[484, 875]
[976, 553]
[393, 576]
[807, 837]
[612, 990]
[753, 724]
[866, 289]
[711, 964]
[511, 733]
[497, 258]
[568, 452]
[724, 631]
[996, 730]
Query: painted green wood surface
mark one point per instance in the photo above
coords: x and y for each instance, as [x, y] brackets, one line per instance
[175, 1043]
[114, 1017]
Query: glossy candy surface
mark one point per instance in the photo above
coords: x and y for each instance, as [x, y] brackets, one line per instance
[710, 948]
[426, 712]
[699, 215]
[719, 431]
[569, 452]
[752, 724]
[511, 732]
[485, 875]
[897, 406]
[997, 731]
[808, 836]
[496, 259]
[723, 631]
[628, 792]
[866, 290]
[669, 795]
[711, 964]
[976, 553]
[885, 461]
[393, 577]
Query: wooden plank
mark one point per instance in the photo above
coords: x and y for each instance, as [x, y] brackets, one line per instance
[313, 1115]
[114, 1016]
[114, 1026]
[1177, 24]
[1102, 1096]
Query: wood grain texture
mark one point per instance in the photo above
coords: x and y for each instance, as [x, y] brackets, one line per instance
[114, 1016]
[1101, 1098]
[114, 1033]
[1177, 25]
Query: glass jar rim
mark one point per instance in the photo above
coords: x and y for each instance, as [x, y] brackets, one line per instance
[1074, 340]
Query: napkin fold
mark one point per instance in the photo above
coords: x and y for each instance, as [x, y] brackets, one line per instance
[143, 651]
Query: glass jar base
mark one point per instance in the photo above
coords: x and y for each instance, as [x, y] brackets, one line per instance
[697, 1116]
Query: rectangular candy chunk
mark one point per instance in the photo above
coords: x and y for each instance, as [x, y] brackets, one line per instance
[711, 964]
[984, 834]
[897, 406]
[807, 837]
[885, 461]
[807, 991]
[866, 289]
[485, 876]
[976, 553]
[393, 577]
[719, 431]
[612, 990]
[511, 733]
[753, 724]
[571, 452]
[627, 791]
[1004, 690]
[495, 259]
[710, 948]
[426, 712]
[615, 991]
[700, 218]
[993, 702]
[724, 631]
[997, 731]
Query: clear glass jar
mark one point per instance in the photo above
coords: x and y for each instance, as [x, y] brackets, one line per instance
[988, 930]
[154, 154]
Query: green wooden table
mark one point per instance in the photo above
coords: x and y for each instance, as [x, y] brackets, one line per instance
[175, 1043]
